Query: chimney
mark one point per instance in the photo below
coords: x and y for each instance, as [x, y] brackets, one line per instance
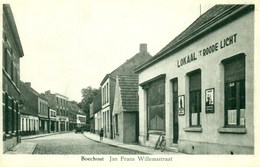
[143, 47]
[47, 92]
[28, 84]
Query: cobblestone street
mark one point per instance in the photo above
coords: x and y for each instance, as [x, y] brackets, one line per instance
[71, 143]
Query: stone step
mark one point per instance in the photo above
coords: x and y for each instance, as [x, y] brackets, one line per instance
[173, 149]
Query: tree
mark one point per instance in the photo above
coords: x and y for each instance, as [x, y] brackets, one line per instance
[87, 97]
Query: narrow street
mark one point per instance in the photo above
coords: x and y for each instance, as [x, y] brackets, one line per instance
[71, 143]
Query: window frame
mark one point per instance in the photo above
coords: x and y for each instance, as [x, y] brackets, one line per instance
[237, 83]
[146, 86]
[197, 92]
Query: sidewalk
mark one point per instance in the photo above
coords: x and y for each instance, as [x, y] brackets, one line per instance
[42, 135]
[28, 147]
[22, 148]
[143, 149]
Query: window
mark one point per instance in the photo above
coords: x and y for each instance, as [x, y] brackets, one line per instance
[234, 76]
[22, 124]
[57, 101]
[195, 98]
[5, 59]
[57, 110]
[6, 114]
[108, 122]
[12, 70]
[10, 114]
[40, 107]
[107, 92]
[13, 116]
[8, 62]
[156, 105]
[17, 117]
[103, 96]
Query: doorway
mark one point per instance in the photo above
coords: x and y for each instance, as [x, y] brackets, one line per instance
[175, 110]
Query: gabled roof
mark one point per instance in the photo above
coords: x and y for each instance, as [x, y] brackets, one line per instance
[128, 85]
[215, 17]
[27, 111]
[33, 91]
[128, 66]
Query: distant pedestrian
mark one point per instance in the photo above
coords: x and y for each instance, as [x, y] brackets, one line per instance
[101, 134]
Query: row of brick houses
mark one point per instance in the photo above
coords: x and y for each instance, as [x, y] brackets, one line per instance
[198, 90]
[24, 110]
[12, 52]
[48, 112]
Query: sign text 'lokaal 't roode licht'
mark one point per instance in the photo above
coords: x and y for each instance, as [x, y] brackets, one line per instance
[208, 50]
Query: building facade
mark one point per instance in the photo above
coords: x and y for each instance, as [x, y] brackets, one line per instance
[91, 117]
[53, 120]
[29, 121]
[125, 110]
[108, 87]
[59, 103]
[34, 101]
[12, 52]
[43, 113]
[199, 89]
[95, 107]
[72, 119]
[75, 115]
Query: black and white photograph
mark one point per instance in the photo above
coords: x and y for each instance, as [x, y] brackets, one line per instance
[106, 83]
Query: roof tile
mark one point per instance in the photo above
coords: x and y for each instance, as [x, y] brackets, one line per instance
[129, 91]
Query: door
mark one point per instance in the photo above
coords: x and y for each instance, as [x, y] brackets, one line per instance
[175, 111]
[137, 127]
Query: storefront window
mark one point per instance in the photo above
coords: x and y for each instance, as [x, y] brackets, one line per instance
[234, 74]
[195, 98]
[156, 105]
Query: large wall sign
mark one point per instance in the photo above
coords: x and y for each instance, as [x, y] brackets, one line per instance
[209, 100]
[181, 105]
[230, 40]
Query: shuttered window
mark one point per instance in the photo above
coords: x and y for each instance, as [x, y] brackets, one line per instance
[155, 102]
[156, 105]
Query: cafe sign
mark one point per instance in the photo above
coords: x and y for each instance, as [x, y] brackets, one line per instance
[228, 41]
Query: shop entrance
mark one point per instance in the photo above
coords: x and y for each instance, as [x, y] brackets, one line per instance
[175, 110]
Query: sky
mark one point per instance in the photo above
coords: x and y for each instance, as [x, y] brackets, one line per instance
[72, 44]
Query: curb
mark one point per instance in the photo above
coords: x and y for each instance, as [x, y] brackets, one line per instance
[34, 148]
[117, 146]
[50, 134]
